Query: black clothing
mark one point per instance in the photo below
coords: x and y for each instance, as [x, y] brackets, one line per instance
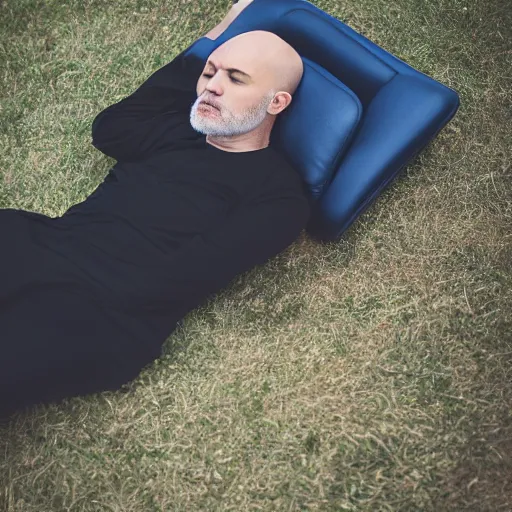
[87, 299]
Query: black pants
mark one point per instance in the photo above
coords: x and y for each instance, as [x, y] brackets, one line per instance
[56, 344]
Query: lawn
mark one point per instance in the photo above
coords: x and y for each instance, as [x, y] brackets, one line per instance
[371, 373]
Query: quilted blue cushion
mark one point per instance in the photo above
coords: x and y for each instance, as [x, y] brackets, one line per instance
[315, 148]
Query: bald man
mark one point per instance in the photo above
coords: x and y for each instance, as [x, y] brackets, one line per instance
[197, 196]
[245, 110]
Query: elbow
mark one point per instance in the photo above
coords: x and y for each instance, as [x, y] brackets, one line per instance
[97, 132]
[105, 131]
[103, 139]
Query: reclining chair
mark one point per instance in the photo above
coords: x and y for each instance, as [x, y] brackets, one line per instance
[358, 116]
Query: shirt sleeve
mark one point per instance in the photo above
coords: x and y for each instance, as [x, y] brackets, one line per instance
[144, 122]
[206, 264]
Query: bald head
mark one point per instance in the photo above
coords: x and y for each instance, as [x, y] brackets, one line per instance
[277, 63]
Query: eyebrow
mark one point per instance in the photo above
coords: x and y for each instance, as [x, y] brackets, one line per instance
[230, 70]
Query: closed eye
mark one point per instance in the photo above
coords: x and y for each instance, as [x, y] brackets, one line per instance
[232, 79]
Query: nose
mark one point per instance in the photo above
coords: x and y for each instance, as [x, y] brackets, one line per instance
[213, 83]
[214, 87]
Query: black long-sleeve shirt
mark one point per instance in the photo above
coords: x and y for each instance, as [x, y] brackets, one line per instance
[176, 219]
[88, 298]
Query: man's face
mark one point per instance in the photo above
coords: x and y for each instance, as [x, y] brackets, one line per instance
[238, 98]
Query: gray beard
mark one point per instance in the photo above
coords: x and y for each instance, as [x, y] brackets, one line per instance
[228, 125]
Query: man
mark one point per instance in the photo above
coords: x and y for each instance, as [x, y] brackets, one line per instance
[197, 196]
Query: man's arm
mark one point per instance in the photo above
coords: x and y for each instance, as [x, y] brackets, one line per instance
[143, 122]
[233, 13]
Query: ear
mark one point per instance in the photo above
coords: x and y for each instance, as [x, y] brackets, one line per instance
[280, 101]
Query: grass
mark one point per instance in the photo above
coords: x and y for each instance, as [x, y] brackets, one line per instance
[371, 373]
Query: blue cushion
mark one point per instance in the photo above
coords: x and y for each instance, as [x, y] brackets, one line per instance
[358, 117]
[315, 148]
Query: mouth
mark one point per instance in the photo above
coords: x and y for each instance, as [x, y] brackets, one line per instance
[206, 104]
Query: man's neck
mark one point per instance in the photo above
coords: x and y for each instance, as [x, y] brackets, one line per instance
[236, 146]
